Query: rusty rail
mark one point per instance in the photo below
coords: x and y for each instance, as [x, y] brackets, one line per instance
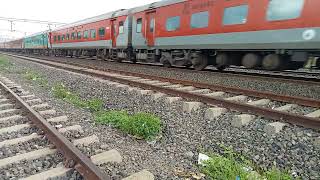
[74, 158]
[304, 121]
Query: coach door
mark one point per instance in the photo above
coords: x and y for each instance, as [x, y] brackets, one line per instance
[151, 24]
[114, 32]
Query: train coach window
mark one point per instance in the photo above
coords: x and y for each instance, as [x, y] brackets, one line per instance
[93, 33]
[79, 35]
[200, 20]
[59, 38]
[55, 38]
[121, 28]
[173, 23]
[63, 37]
[73, 36]
[139, 25]
[235, 15]
[101, 32]
[68, 36]
[284, 9]
[86, 34]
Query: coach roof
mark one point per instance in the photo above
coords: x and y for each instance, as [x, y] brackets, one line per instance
[155, 5]
[109, 15]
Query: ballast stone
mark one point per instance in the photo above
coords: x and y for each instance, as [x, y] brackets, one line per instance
[186, 88]
[242, 120]
[71, 128]
[58, 119]
[142, 175]
[50, 112]
[145, 92]
[201, 91]
[162, 84]
[287, 107]
[188, 107]
[314, 114]
[316, 142]
[156, 96]
[86, 141]
[274, 128]
[108, 156]
[261, 102]
[240, 98]
[216, 94]
[213, 113]
[171, 100]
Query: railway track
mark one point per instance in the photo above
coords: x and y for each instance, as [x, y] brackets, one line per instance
[249, 103]
[307, 78]
[33, 141]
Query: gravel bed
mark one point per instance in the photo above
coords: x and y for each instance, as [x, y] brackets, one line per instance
[23, 132]
[21, 148]
[27, 168]
[292, 89]
[184, 135]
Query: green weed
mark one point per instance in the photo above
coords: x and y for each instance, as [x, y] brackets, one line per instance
[141, 125]
[36, 77]
[276, 174]
[61, 92]
[219, 167]
[5, 64]
[231, 165]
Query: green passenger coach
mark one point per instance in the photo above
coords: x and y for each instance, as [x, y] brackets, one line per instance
[36, 43]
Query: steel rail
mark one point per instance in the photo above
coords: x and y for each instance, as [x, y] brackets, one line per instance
[304, 121]
[252, 75]
[74, 158]
[253, 93]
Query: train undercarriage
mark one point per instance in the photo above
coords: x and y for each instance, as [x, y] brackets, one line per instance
[198, 59]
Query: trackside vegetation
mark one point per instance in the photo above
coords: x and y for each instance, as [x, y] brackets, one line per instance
[141, 125]
[36, 77]
[232, 166]
[5, 64]
[61, 92]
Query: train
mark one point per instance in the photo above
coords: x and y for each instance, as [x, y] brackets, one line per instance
[264, 34]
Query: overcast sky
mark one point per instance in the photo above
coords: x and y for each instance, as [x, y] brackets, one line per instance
[65, 11]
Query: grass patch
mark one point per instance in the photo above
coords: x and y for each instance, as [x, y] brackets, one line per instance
[141, 125]
[233, 166]
[36, 77]
[5, 64]
[61, 92]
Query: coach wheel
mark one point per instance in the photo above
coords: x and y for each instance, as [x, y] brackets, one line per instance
[272, 62]
[221, 68]
[222, 61]
[165, 61]
[200, 62]
[251, 60]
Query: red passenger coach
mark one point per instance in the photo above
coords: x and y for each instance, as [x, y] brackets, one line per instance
[274, 34]
[98, 35]
[262, 34]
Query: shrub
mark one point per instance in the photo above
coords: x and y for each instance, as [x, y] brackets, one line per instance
[114, 118]
[145, 125]
[276, 174]
[141, 125]
[61, 92]
[219, 167]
